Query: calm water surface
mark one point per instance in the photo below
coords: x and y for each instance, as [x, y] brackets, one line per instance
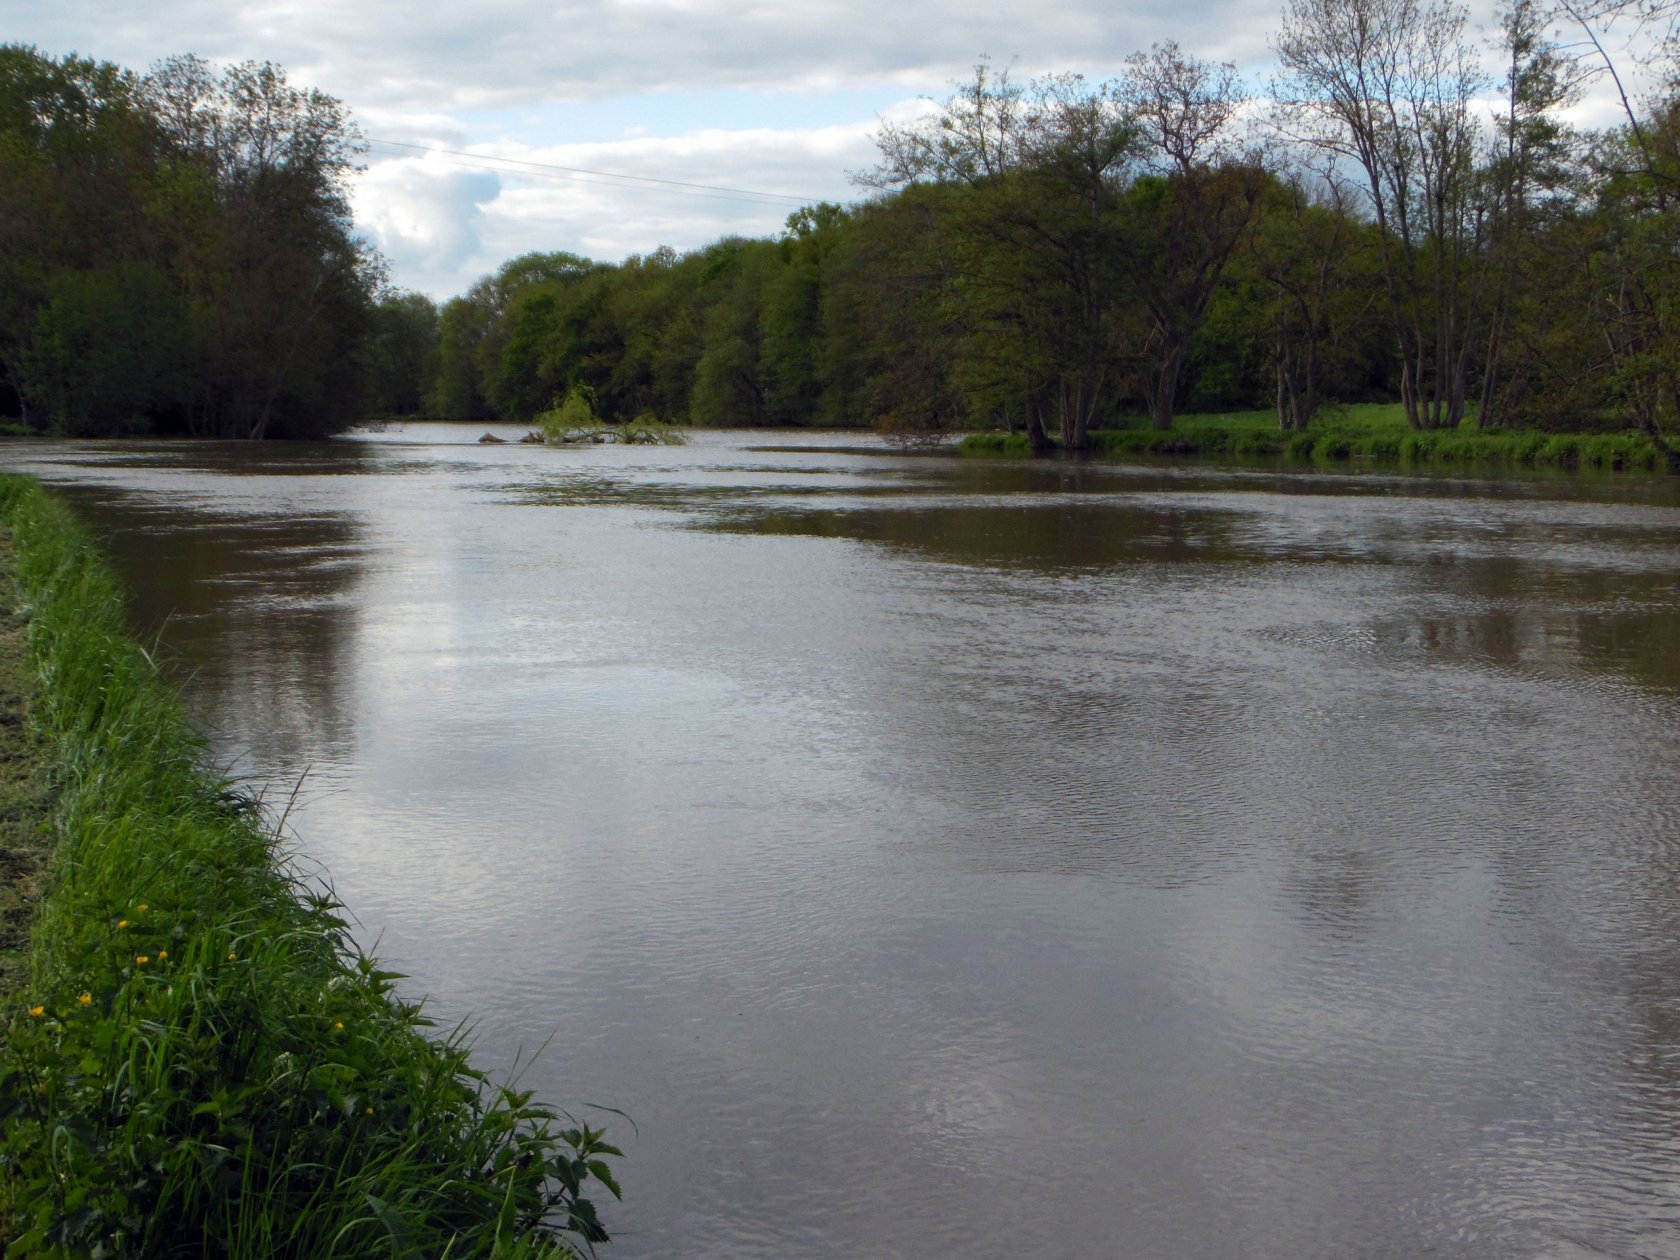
[941, 857]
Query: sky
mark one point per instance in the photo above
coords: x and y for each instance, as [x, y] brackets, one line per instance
[745, 111]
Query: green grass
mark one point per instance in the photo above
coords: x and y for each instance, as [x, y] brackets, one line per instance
[24, 834]
[1372, 432]
[201, 1061]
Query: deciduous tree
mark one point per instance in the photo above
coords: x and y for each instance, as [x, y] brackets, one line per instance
[1389, 86]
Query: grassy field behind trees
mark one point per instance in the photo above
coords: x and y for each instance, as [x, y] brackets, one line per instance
[1044, 258]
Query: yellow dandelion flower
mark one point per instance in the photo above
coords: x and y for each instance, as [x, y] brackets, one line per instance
[122, 923]
[140, 909]
[162, 954]
[35, 1012]
[86, 999]
[339, 1024]
[370, 1111]
[142, 959]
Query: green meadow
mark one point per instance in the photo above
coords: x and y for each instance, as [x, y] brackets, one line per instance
[1368, 432]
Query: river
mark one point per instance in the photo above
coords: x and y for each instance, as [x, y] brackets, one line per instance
[945, 857]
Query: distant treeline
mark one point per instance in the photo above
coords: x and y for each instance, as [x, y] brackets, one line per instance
[1052, 256]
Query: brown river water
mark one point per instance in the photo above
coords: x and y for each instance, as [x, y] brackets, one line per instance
[942, 857]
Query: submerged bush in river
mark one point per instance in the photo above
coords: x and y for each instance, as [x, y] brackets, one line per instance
[203, 1062]
[573, 421]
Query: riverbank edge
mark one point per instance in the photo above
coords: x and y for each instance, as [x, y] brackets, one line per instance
[1618, 452]
[25, 837]
[200, 1058]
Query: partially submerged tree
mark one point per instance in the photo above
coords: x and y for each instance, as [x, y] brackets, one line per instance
[175, 250]
[1094, 226]
[1042, 169]
[576, 420]
[266, 252]
[77, 157]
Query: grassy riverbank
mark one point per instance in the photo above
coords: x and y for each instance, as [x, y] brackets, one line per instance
[1373, 432]
[199, 1060]
[24, 834]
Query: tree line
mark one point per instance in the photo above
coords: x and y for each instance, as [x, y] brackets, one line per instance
[176, 252]
[1407, 215]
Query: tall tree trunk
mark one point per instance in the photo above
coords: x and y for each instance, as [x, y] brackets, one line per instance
[1306, 395]
[1289, 408]
[1037, 438]
[1408, 387]
[1163, 400]
[1285, 405]
[1486, 416]
[1079, 406]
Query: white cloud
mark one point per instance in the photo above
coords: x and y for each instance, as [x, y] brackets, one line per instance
[395, 54]
[746, 94]
[427, 218]
[409, 205]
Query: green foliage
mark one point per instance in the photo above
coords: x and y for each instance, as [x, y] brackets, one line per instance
[731, 380]
[1052, 256]
[111, 351]
[401, 353]
[1046, 257]
[574, 420]
[1369, 434]
[175, 250]
[575, 413]
[456, 390]
[204, 1062]
[1013, 445]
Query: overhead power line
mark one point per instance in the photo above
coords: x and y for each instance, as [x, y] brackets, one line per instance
[550, 170]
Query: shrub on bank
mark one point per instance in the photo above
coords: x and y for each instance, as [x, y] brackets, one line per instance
[203, 1062]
